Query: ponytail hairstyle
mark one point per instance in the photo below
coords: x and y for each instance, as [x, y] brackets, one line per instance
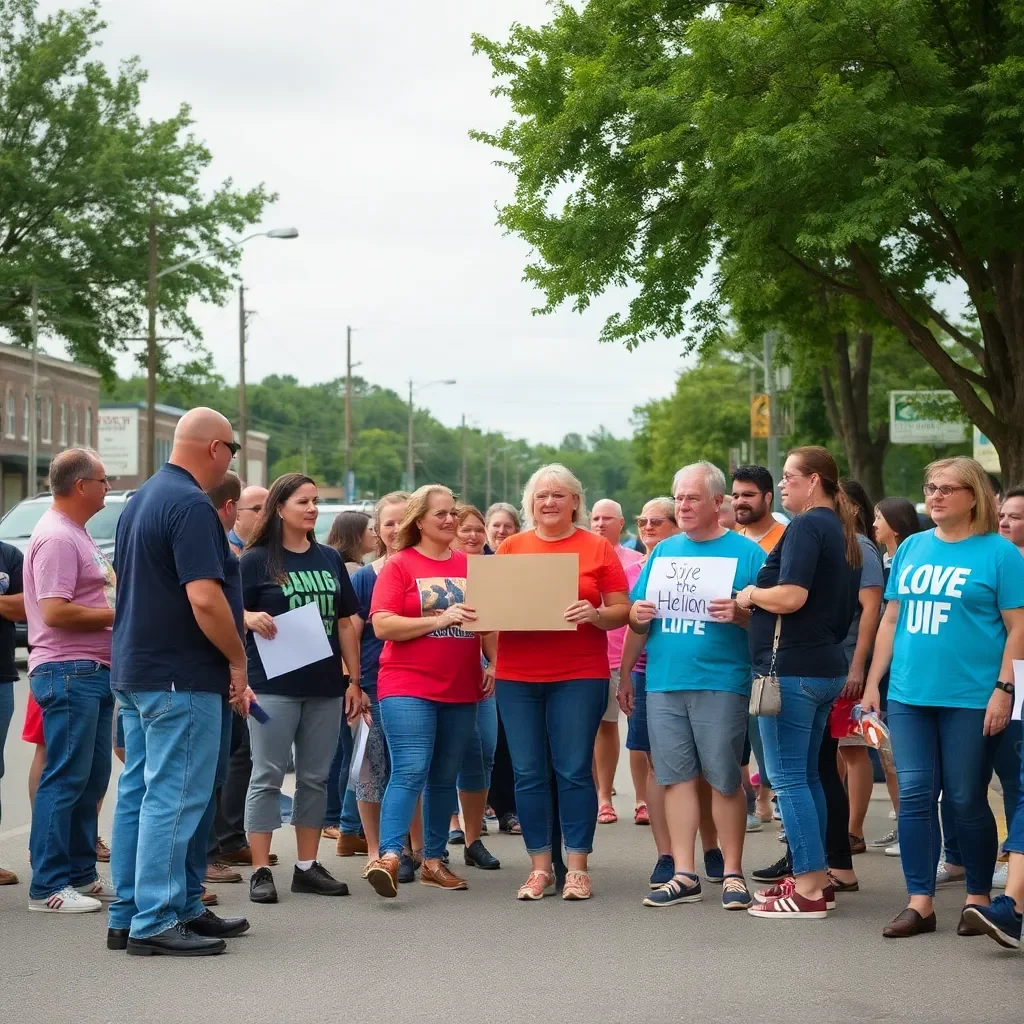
[814, 460]
[856, 493]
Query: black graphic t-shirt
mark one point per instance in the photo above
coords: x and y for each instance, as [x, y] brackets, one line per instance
[318, 575]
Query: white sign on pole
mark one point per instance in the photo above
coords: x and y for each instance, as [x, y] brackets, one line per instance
[985, 453]
[682, 588]
[117, 441]
[913, 418]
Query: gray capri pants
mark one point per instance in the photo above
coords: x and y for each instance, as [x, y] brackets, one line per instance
[312, 725]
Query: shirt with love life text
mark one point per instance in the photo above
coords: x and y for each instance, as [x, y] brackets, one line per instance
[949, 640]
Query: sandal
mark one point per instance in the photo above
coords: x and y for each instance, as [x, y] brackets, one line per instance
[606, 815]
[577, 886]
[641, 815]
[510, 823]
[536, 886]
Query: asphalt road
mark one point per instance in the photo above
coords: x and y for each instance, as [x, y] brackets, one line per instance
[433, 956]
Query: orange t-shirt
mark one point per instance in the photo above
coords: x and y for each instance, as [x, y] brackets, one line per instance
[543, 657]
[770, 539]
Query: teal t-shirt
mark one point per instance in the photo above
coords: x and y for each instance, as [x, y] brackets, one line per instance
[948, 647]
[688, 654]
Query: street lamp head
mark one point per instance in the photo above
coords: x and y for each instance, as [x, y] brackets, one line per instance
[448, 382]
[283, 233]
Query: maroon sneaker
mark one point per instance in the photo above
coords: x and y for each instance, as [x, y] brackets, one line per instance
[786, 888]
[792, 905]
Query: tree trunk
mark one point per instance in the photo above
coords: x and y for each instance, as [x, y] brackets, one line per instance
[847, 407]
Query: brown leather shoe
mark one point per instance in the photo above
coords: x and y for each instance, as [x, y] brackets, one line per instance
[208, 898]
[332, 832]
[102, 852]
[441, 878]
[382, 874]
[8, 877]
[242, 856]
[857, 844]
[965, 928]
[909, 923]
[349, 845]
[219, 872]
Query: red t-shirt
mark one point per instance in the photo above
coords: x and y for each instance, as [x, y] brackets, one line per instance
[443, 665]
[548, 657]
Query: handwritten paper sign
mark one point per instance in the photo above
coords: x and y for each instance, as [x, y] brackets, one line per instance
[682, 588]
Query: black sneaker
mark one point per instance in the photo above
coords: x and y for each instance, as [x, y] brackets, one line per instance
[317, 880]
[406, 869]
[261, 886]
[476, 855]
[779, 870]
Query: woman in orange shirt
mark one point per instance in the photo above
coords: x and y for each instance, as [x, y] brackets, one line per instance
[552, 687]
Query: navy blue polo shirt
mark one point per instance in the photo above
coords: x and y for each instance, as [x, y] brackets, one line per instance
[168, 535]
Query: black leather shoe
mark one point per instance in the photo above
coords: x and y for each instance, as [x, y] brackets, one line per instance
[318, 880]
[176, 941]
[476, 855]
[117, 938]
[211, 926]
[964, 927]
[261, 886]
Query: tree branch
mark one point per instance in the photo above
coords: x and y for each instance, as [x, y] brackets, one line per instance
[957, 335]
[820, 275]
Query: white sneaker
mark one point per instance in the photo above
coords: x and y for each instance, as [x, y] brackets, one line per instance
[892, 814]
[66, 901]
[99, 889]
[754, 823]
[1000, 876]
[893, 851]
[943, 877]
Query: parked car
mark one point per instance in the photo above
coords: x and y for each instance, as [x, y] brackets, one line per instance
[17, 525]
[329, 512]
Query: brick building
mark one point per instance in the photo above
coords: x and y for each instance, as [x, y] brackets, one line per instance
[122, 439]
[67, 398]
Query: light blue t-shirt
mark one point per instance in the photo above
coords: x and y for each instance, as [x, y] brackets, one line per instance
[949, 641]
[687, 654]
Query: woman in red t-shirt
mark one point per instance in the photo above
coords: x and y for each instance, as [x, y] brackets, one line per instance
[553, 687]
[429, 684]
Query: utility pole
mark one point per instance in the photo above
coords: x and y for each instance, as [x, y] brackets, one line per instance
[752, 459]
[348, 406]
[504, 493]
[151, 349]
[487, 501]
[410, 467]
[770, 339]
[305, 454]
[519, 489]
[243, 461]
[31, 477]
[465, 475]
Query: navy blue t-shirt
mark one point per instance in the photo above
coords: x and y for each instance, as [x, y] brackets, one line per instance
[168, 535]
[11, 560]
[233, 589]
[370, 646]
[812, 555]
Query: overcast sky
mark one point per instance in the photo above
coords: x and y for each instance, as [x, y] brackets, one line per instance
[357, 115]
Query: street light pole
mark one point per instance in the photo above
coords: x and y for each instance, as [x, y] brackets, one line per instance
[31, 476]
[770, 338]
[348, 406]
[243, 462]
[487, 500]
[151, 350]
[410, 465]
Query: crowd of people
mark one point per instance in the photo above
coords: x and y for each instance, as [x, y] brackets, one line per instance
[412, 729]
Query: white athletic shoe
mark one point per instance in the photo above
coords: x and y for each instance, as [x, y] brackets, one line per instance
[754, 823]
[893, 851]
[66, 901]
[1000, 876]
[99, 889]
[943, 877]
[892, 815]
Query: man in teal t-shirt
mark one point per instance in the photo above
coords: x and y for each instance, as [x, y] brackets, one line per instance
[698, 680]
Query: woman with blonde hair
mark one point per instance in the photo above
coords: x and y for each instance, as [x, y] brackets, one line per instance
[429, 684]
[952, 628]
[553, 686]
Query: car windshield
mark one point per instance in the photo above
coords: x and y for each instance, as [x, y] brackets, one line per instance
[22, 519]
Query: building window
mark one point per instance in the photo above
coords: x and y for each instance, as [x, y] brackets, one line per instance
[88, 426]
[63, 424]
[12, 414]
[161, 451]
[26, 417]
[74, 426]
[46, 434]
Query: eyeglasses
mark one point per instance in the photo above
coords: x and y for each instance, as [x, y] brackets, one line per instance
[96, 480]
[250, 508]
[792, 476]
[944, 489]
[232, 446]
[654, 521]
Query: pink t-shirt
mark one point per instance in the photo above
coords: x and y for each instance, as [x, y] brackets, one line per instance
[617, 637]
[63, 561]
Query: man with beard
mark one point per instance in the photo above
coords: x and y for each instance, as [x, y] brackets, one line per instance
[752, 493]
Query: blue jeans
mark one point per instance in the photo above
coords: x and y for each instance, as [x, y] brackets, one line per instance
[757, 748]
[1015, 840]
[78, 710]
[427, 741]
[638, 736]
[6, 714]
[792, 743]
[551, 728]
[942, 750]
[475, 773]
[197, 857]
[1002, 753]
[172, 746]
[342, 811]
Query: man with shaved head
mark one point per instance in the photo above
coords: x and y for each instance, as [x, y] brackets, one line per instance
[177, 661]
[607, 521]
[250, 505]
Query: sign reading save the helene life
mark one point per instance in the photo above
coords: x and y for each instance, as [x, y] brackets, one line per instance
[683, 587]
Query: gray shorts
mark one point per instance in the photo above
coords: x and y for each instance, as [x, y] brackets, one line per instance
[697, 732]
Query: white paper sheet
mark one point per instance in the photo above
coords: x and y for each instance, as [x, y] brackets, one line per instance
[300, 641]
[682, 587]
[1018, 689]
[356, 771]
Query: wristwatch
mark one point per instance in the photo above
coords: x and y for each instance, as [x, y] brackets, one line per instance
[1005, 687]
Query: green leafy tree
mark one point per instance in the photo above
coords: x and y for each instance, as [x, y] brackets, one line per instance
[80, 171]
[873, 146]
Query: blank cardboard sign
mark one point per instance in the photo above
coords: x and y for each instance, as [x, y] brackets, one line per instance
[522, 592]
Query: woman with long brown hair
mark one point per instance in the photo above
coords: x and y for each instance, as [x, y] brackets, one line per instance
[802, 607]
[284, 568]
